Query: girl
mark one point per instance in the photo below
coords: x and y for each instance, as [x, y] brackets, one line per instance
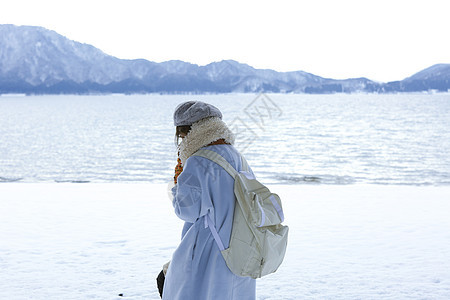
[197, 270]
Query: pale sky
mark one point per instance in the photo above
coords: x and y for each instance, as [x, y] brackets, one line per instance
[382, 40]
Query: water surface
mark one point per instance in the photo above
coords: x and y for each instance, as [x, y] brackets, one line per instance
[312, 139]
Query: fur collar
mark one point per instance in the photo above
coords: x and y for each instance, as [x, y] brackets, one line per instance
[203, 133]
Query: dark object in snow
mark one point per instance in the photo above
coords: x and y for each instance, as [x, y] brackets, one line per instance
[160, 282]
[120, 295]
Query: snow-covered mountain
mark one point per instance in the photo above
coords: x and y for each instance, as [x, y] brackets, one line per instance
[38, 60]
[40, 56]
[435, 78]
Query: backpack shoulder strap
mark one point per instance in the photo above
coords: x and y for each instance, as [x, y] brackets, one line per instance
[244, 164]
[218, 159]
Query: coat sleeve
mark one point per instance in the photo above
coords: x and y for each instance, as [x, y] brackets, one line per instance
[188, 197]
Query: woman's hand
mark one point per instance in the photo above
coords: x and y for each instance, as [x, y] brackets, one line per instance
[178, 170]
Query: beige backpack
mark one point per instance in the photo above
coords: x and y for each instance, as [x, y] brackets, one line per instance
[258, 240]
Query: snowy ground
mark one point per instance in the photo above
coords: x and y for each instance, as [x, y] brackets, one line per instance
[94, 241]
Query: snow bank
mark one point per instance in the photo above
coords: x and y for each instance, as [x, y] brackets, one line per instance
[94, 241]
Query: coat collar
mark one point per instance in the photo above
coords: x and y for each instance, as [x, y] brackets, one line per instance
[203, 133]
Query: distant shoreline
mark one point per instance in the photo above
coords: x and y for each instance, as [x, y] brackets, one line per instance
[18, 95]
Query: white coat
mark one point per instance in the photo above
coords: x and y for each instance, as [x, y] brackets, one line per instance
[197, 270]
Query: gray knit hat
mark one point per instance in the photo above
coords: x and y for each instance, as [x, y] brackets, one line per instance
[190, 112]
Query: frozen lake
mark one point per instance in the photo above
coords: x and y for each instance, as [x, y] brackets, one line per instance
[312, 139]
